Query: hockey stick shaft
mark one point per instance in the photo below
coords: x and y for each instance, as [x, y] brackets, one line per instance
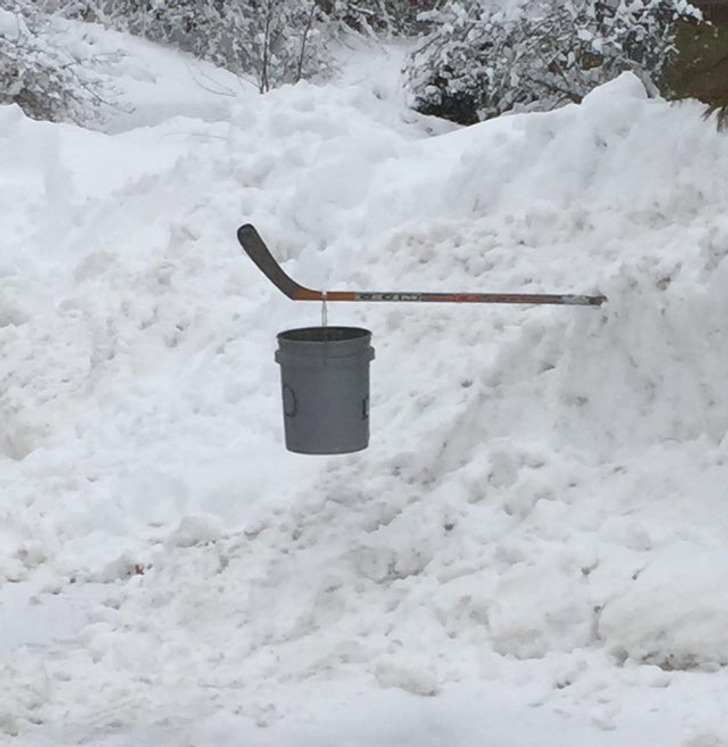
[256, 249]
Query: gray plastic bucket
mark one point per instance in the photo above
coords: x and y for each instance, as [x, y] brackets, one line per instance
[325, 387]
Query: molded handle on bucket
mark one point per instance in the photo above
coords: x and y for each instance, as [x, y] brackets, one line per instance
[290, 403]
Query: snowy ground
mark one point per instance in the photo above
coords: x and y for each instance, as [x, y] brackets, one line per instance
[533, 549]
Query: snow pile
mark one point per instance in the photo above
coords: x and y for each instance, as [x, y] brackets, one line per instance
[539, 523]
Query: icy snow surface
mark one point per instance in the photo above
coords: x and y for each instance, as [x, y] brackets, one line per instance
[533, 550]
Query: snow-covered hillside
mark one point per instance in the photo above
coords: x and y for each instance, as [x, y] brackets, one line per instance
[533, 549]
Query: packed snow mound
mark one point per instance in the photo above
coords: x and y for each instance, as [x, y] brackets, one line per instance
[542, 506]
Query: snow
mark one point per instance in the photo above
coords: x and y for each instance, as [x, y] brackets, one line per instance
[9, 24]
[531, 551]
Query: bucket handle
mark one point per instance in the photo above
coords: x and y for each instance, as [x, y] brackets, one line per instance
[290, 403]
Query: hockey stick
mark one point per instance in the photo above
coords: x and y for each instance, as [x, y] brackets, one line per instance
[256, 249]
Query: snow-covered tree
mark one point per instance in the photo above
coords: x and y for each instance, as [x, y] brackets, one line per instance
[482, 60]
[43, 69]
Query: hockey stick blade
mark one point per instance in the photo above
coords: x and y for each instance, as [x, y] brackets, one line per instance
[256, 249]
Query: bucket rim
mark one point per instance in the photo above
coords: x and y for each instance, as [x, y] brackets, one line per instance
[328, 334]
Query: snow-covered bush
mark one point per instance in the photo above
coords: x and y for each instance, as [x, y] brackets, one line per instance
[44, 70]
[389, 16]
[482, 60]
[276, 41]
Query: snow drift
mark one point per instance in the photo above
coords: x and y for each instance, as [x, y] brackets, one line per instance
[539, 522]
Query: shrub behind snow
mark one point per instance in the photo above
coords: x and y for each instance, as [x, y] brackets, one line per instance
[481, 60]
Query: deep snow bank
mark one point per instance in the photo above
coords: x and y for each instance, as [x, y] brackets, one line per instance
[543, 499]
